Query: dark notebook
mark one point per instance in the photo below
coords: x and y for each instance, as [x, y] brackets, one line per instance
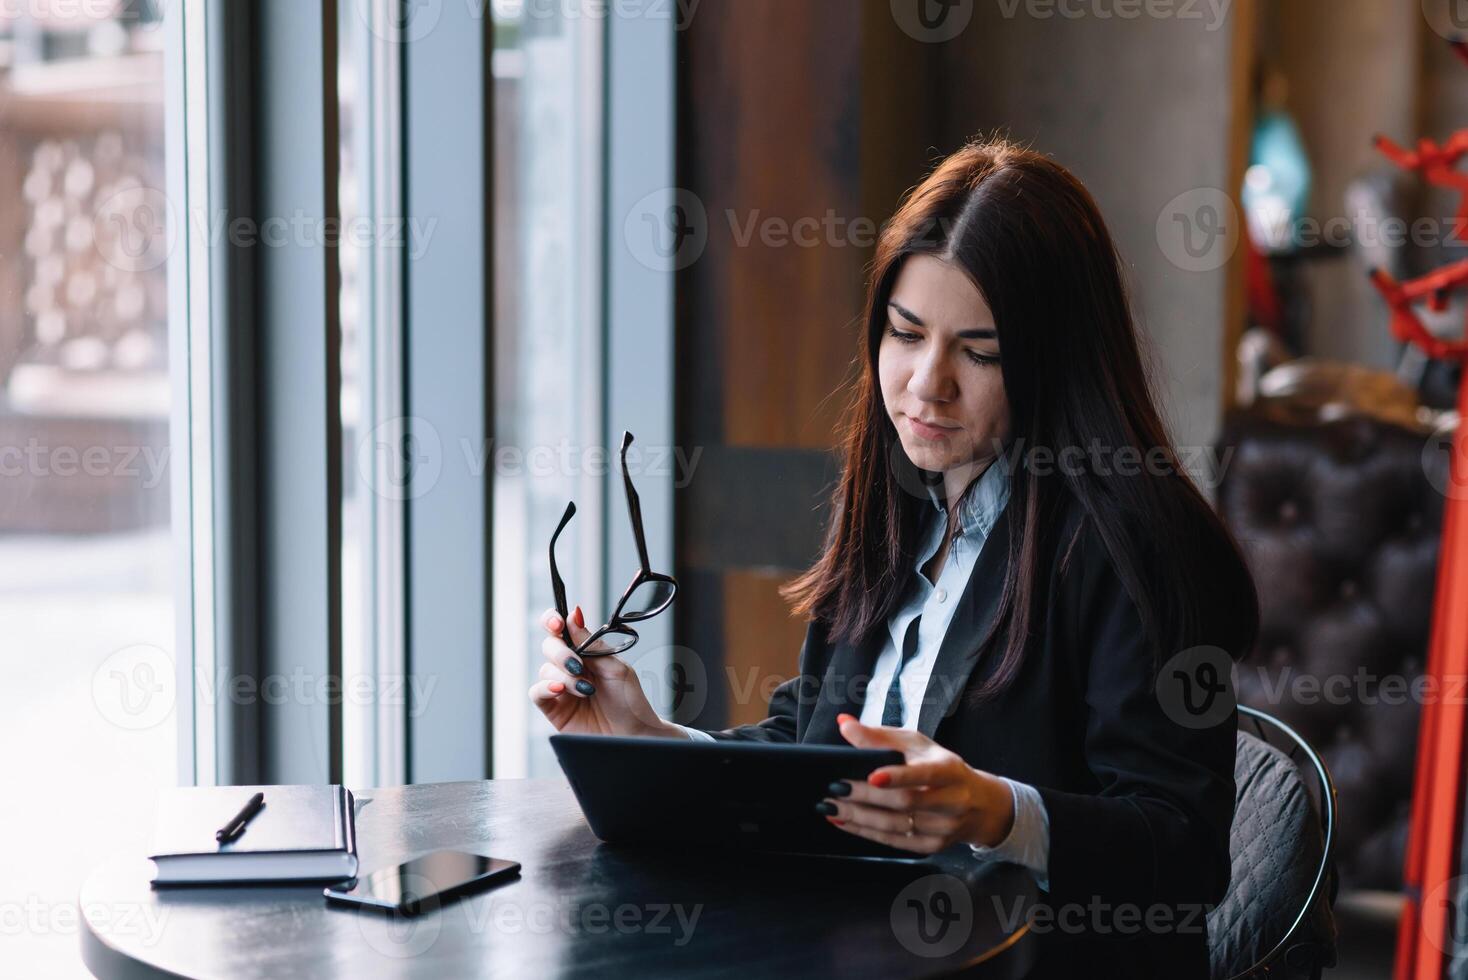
[302, 833]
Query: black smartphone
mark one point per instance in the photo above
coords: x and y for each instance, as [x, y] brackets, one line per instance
[422, 884]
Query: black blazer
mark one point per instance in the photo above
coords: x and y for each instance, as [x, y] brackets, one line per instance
[1140, 806]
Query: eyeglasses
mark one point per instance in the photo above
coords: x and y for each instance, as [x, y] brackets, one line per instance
[649, 594]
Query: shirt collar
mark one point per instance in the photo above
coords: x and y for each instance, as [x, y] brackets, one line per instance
[982, 502]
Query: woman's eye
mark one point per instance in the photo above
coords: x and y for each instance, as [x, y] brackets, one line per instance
[906, 337]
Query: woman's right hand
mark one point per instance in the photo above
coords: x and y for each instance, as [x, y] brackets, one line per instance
[592, 695]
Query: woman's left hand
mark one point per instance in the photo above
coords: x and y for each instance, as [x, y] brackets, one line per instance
[933, 801]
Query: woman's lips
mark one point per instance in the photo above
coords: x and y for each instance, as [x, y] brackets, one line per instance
[929, 431]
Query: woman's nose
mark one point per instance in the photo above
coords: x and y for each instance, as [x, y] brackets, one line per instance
[931, 380]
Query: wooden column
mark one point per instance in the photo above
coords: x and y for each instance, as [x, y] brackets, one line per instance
[800, 123]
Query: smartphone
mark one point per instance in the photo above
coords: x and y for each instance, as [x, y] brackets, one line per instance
[422, 884]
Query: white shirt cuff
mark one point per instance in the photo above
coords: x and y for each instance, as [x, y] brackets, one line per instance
[1028, 843]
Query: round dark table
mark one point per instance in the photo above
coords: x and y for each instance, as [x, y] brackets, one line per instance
[579, 908]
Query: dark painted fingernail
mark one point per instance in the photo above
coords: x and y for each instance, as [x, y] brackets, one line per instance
[586, 688]
[574, 667]
[839, 788]
[826, 809]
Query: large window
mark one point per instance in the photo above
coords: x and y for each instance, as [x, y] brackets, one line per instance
[375, 475]
[87, 609]
[549, 443]
[164, 508]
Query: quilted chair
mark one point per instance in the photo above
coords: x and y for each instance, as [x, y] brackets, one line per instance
[1339, 514]
[1276, 918]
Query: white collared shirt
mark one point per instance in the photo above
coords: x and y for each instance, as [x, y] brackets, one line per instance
[1028, 843]
[978, 509]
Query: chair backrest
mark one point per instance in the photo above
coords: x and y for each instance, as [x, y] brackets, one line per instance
[1277, 913]
[1317, 508]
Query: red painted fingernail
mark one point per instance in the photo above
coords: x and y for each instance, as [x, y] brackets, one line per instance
[839, 823]
[580, 617]
[844, 718]
[555, 622]
[879, 779]
[557, 687]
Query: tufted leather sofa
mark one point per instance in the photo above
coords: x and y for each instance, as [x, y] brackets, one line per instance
[1340, 522]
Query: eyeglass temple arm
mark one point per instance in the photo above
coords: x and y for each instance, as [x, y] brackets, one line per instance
[634, 507]
[558, 587]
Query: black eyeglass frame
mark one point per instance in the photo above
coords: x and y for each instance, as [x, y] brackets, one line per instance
[618, 623]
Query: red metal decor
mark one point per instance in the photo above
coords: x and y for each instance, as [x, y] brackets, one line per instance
[1431, 917]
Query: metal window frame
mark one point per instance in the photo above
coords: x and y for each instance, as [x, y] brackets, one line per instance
[262, 488]
[448, 155]
[380, 146]
[264, 478]
[186, 142]
[549, 38]
[298, 391]
[263, 495]
[640, 117]
[232, 730]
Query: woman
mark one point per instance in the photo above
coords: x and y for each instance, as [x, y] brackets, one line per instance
[1014, 543]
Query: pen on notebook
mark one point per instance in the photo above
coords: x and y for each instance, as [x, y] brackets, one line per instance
[236, 826]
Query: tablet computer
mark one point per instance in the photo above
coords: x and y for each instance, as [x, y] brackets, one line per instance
[751, 795]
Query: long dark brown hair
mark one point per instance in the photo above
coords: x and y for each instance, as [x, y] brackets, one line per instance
[1031, 238]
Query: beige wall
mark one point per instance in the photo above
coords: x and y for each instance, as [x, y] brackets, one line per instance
[1353, 71]
[1140, 111]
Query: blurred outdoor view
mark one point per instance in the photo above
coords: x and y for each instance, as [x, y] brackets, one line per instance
[88, 556]
[86, 589]
[548, 172]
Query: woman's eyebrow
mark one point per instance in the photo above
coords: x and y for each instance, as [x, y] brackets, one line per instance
[986, 333]
[906, 313]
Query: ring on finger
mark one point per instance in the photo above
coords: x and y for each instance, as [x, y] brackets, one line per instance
[911, 823]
